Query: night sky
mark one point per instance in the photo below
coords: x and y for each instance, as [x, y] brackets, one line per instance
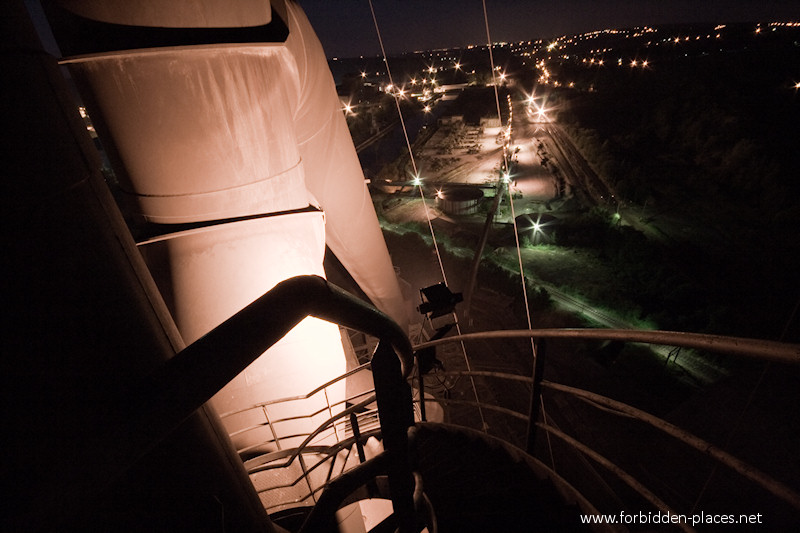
[346, 29]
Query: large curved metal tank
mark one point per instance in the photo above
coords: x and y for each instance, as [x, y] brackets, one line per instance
[237, 149]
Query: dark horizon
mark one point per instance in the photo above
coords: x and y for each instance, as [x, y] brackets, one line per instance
[346, 28]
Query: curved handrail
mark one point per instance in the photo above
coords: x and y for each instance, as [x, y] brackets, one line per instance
[324, 426]
[762, 349]
[776, 488]
[195, 374]
[298, 397]
[770, 351]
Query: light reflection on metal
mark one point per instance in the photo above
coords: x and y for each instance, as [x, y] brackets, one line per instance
[248, 143]
[755, 348]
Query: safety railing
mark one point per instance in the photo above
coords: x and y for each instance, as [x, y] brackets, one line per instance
[258, 416]
[189, 379]
[326, 455]
[759, 349]
[321, 455]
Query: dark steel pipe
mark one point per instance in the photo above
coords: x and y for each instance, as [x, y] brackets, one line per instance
[199, 371]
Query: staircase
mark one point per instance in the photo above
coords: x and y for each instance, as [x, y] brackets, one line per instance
[453, 478]
[475, 484]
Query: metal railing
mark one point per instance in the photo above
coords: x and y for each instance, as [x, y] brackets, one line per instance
[190, 378]
[324, 456]
[355, 420]
[764, 350]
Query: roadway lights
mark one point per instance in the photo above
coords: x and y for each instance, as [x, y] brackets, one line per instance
[417, 181]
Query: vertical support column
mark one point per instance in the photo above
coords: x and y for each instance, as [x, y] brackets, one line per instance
[396, 413]
[421, 385]
[536, 394]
